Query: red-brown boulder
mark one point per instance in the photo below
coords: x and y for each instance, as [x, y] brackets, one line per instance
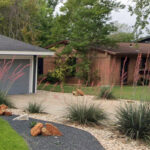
[54, 131]
[7, 113]
[3, 107]
[45, 132]
[36, 130]
[80, 92]
[1, 112]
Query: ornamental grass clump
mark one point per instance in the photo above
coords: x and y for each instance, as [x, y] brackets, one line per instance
[34, 107]
[133, 120]
[106, 93]
[4, 100]
[86, 114]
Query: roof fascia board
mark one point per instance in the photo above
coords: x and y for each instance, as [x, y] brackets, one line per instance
[26, 53]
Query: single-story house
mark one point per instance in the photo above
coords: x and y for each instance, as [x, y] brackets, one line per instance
[112, 64]
[22, 54]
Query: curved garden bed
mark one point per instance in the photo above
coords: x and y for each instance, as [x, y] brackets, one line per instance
[72, 139]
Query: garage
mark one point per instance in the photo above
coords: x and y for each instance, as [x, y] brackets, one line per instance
[18, 66]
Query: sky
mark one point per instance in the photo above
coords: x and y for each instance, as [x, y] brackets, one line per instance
[123, 16]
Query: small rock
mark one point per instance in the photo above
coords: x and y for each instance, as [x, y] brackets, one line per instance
[22, 117]
[7, 113]
[54, 131]
[80, 92]
[3, 107]
[36, 130]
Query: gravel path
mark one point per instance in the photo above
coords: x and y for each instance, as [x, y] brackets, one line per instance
[72, 139]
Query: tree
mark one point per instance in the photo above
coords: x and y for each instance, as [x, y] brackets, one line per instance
[122, 37]
[124, 33]
[26, 20]
[142, 11]
[86, 24]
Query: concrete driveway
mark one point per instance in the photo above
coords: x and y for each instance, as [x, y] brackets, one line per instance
[56, 103]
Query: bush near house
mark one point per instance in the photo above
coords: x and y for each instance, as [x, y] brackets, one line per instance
[133, 120]
[86, 114]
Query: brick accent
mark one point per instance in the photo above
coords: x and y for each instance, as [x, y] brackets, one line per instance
[48, 64]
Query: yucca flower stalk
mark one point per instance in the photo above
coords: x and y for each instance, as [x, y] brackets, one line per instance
[136, 72]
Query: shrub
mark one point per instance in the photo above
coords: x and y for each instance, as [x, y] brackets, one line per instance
[85, 114]
[133, 120]
[51, 78]
[34, 108]
[4, 100]
[106, 93]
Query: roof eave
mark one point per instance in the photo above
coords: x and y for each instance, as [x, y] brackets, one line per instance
[27, 53]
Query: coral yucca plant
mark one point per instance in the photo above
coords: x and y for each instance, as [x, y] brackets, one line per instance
[133, 120]
[88, 114]
[106, 93]
[4, 100]
[34, 107]
[7, 78]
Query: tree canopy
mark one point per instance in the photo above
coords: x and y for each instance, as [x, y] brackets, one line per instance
[27, 20]
[84, 23]
[122, 37]
[124, 33]
[142, 11]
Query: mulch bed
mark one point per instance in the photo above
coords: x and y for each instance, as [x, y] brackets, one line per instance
[72, 139]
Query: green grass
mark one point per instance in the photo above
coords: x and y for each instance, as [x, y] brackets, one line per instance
[127, 92]
[69, 89]
[9, 139]
[132, 93]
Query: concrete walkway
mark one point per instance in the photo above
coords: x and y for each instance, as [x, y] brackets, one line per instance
[56, 103]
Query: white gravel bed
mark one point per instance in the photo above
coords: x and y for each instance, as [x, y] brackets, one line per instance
[110, 140]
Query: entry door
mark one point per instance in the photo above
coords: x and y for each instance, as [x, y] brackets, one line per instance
[40, 66]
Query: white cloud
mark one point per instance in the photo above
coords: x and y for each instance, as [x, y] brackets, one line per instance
[123, 16]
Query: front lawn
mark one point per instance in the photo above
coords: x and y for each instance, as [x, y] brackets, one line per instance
[69, 89]
[132, 93]
[127, 92]
[9, 139]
